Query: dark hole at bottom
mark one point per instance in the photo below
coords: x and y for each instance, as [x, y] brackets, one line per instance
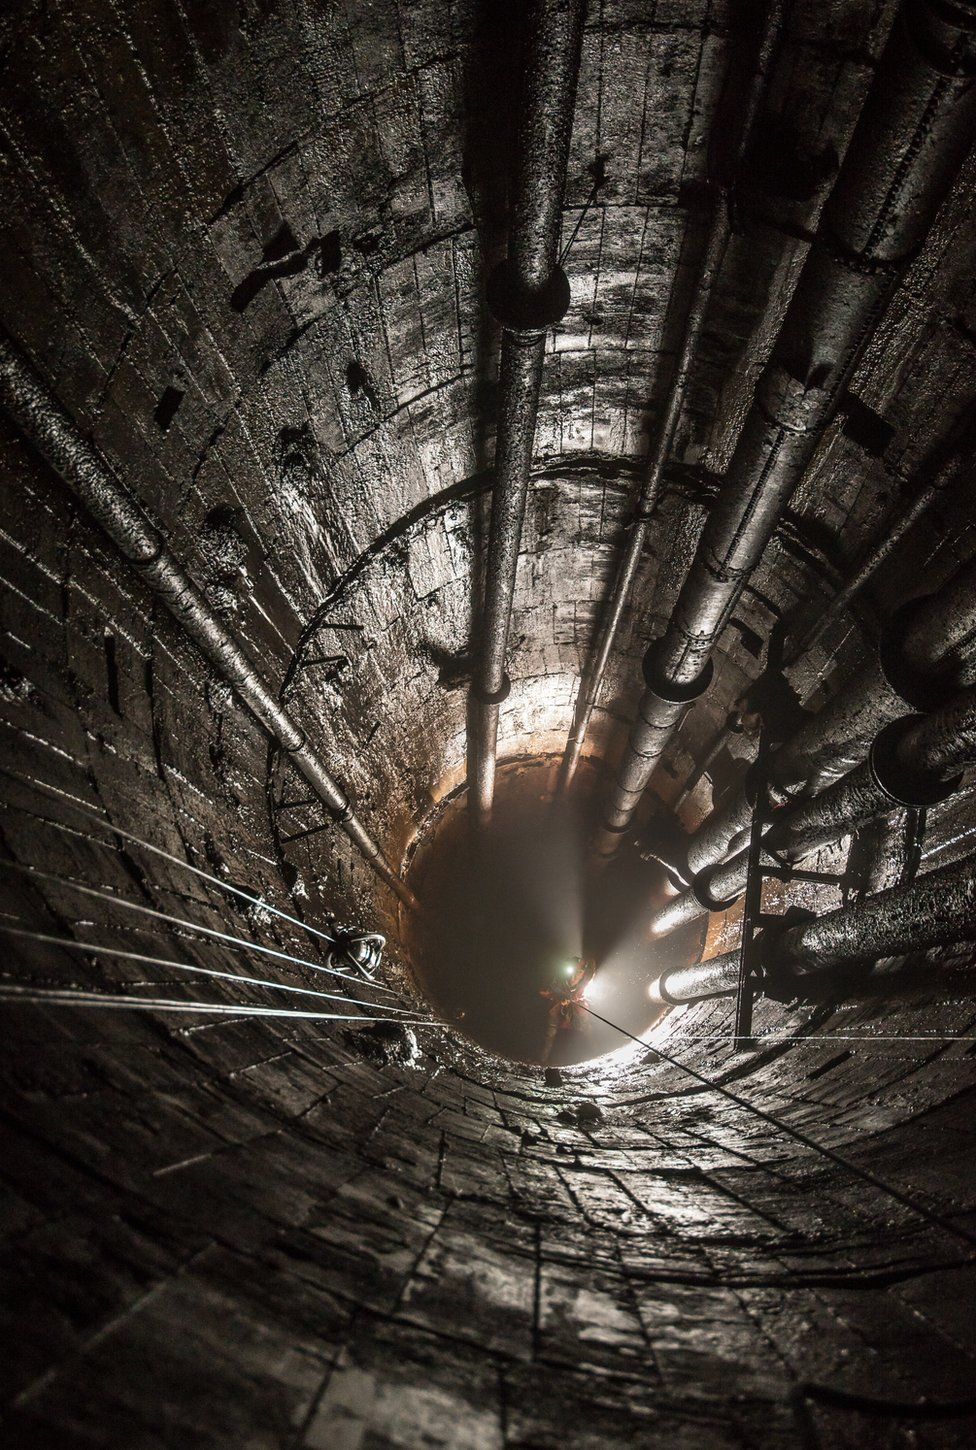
[507, 908]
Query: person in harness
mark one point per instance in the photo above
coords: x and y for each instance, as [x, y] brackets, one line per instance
[566, 1000]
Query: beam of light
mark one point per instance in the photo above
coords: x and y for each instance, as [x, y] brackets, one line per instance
[73, 997]
[224, 936]
[557, 876]
[596, 990]
[74, 804]
[96, 950]
[865, 1174]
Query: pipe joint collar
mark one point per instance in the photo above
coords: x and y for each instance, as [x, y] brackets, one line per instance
[780, 979]
[921, 690]
[492, 697]
[671, 691]
[902, 785]
[789, 403]
[521, 310]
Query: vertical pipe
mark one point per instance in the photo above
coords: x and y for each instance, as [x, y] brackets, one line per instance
[527, 293]
[716, 245]
[913, 133]
[48, 429]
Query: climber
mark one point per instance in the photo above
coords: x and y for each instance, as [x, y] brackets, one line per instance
[565, 999]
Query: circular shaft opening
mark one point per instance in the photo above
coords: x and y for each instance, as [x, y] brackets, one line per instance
[523, 936]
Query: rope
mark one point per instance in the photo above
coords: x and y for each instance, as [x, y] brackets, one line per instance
[863, 1173]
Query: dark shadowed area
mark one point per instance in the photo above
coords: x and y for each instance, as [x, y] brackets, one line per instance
[507, 910]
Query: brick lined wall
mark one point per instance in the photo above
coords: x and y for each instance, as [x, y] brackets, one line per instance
[247, 246]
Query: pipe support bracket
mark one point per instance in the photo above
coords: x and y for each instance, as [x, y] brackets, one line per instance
[492, 697]
[902, 785]
[671, 691]
[521, 310]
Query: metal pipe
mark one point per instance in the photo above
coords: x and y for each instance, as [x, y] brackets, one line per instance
[914, 762]
[48, 428]
[879, 854]
[527, 293]
[716, 245]
[718, 977]
[927, 653]
[943, 478]
[939, 908]
[913, 132]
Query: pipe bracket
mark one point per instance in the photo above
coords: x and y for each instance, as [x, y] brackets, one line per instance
[519, 310]
[780, 980]
[669, 690]
[902, 785]
[492, 697]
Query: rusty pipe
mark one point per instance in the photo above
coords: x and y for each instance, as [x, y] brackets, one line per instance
[943, 476]
[713, 256]
[927, 652]
[938, 909]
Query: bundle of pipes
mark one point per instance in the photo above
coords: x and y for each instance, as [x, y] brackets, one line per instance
[914, 761]
[527, 293]
[927, 653]
[48, 429]
[913, 133]
[937, 909]
[940, 473]
[713, 256]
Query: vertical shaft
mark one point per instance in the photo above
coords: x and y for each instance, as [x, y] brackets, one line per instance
[528, 292]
